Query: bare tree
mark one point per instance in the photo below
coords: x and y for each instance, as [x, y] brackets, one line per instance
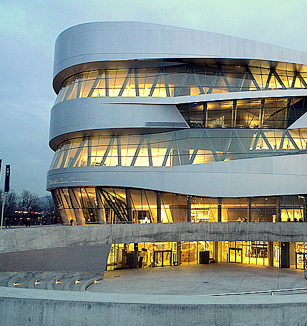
[29, 202]
[48, 205]
[10, 201]
[10, 204]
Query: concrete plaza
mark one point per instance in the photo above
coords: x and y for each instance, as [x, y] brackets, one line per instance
[170, 296]
[200, 280]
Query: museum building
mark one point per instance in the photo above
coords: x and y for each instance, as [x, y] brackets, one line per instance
[161, 124]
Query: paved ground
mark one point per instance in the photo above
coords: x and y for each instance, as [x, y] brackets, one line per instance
[200, 280]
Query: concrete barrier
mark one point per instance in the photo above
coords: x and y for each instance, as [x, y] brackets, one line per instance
[62, 259]
[42, 307]
[86, 248]
[22, 239]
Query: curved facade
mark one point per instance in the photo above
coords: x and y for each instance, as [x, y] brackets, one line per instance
[159, 124]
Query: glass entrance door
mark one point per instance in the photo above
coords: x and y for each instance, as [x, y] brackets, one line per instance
[301, 260]
[162, 258]
[235, 255]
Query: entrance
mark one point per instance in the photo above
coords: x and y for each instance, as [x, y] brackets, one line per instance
[235, 255]
[162, 258]
[301, 260]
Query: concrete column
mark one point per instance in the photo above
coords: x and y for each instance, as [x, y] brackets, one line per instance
[78, 212]
[178, 252]
[158, 207]
[65, 215]
[249, 209]
[278, 213]
[219, 212]
[292, 254]
[284, 254]
[188, 209]
[101, 210]
[220, 260]
[136, 249]
[128, 205]
[216, 251]
[79, 216]
[270, 253]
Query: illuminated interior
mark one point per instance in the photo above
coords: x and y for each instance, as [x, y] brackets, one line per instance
[301, 255]
[192, 146]
[263, 113]
[159, 254]
[123, 205]
[162, 254]
[230, 109]
[181, 79]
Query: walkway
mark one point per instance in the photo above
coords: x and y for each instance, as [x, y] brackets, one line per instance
[199, 280]
[166, 296]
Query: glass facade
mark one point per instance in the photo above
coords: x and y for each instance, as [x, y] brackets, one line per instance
[161, 254]
[231, 109]
[123, 205]
[301, 255]
[248, 252]
[181, 80]
[261, 113]
[193, 146]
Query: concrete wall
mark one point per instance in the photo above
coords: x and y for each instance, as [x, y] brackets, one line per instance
[22, 239]
[42, 307]
[86, 248]
[64, 259]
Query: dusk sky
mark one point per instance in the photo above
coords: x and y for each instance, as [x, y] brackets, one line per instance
[29, 28]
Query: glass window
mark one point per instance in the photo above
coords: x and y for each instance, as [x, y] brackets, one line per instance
[204, 209]
[183, 80]
[235, 210]
[174, 208]
[264, 209]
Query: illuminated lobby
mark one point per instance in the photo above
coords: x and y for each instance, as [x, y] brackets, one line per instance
[156, 124]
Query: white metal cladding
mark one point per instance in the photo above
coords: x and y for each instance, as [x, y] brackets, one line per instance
[300, 123]
[94, 114]
[268, 176]
[122, 112]
[108, 41]
[96, 43]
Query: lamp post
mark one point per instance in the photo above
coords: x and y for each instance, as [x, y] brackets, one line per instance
[6, 189]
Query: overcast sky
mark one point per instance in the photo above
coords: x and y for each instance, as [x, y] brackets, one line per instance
[29, 28]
